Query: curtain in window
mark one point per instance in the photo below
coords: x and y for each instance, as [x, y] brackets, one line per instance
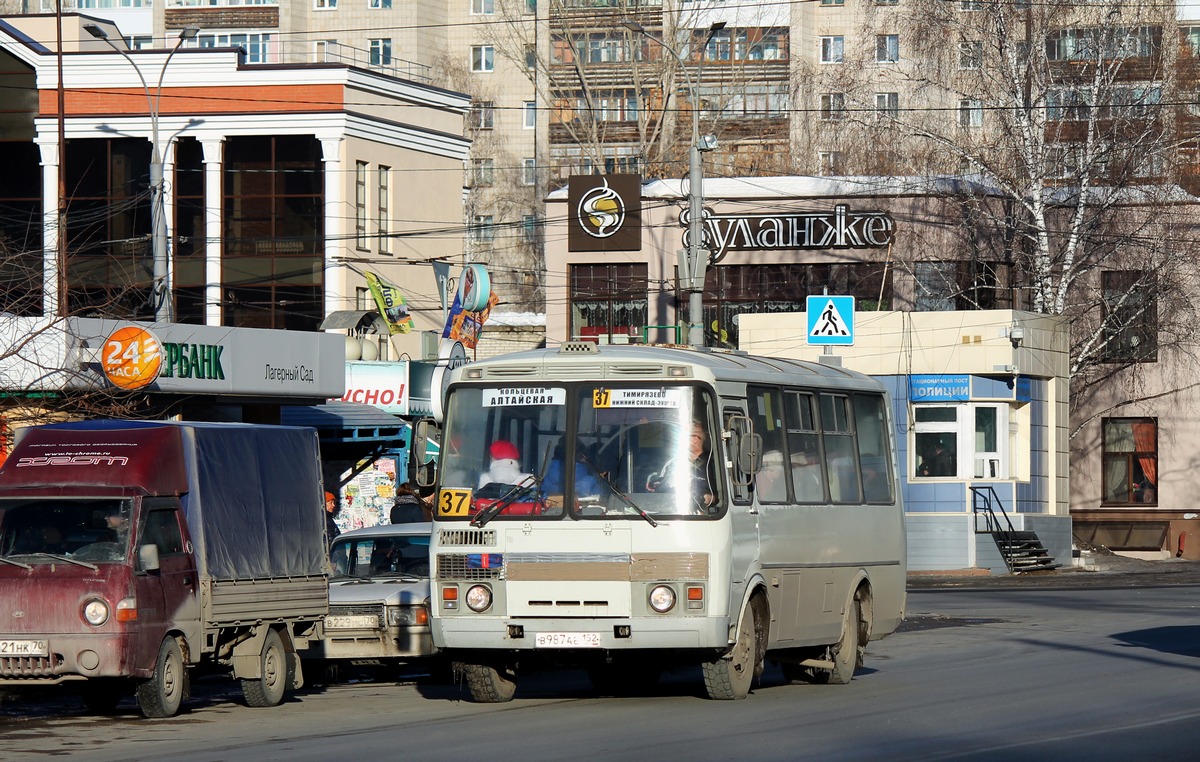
[1143, 441]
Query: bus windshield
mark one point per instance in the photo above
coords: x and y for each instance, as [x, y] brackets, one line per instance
[580, 451]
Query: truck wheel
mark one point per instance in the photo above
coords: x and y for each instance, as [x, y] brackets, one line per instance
[164, 692]
[729, 677]
[101, 695]
[268, 689]
[489, 685]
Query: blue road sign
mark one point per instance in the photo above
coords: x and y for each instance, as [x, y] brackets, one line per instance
[830, 320]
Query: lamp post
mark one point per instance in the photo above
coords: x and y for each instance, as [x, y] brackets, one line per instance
[695, 257]
[158, 218]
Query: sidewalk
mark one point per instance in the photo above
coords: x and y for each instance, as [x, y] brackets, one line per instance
[1101, 570]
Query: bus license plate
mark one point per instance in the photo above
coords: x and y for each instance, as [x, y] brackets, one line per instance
[24, 648]
[567, 640]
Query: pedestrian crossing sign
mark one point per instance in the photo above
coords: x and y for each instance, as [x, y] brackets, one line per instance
[830, 320]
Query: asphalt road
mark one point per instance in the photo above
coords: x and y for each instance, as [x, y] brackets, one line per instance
[1071, 665]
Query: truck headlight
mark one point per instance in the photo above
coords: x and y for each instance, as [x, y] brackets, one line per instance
[479, 598]
[95, 612]
[662, 599]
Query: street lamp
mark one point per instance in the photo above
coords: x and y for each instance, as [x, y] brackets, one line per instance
[695, 257]
[158, 216]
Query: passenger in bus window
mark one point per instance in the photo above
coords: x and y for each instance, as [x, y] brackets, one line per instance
[694, 475]
[770, 481]
[806, 476]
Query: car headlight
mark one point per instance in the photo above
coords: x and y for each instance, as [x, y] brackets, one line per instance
[404, 616]
[479, 597]
[662, 599]
[95, 612]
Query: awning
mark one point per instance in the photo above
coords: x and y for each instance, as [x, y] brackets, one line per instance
[347, 422]
[352, 319]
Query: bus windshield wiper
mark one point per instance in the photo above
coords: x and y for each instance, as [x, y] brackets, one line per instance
[624, 498]
[15, 563]
[505, 500]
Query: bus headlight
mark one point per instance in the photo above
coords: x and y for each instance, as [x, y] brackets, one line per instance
[95, 612]
[662, 599]
[479, 598]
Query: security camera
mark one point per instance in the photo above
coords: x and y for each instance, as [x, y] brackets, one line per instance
[1016, 335]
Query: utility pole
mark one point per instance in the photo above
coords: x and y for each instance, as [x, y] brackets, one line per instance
[162, 293]
[694, 259]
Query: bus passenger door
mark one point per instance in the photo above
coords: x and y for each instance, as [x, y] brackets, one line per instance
[742, 511]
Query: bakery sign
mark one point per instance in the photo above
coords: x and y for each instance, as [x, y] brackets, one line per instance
[841, 228]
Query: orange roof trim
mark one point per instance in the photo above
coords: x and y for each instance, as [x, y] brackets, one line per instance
[253, 99]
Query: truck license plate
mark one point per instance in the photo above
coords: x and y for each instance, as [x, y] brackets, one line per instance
[567, 640]
[24, 648]
[351, 622]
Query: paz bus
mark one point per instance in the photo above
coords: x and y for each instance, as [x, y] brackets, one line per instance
[630, 509]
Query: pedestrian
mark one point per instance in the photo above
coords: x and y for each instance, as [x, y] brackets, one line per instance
[331, 510]
[408, 506]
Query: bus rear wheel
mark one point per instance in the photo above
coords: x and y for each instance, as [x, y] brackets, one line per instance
[847, 653]
[489, 684]
[729, 677]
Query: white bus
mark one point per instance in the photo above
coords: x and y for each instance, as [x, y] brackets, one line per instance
[722, 509]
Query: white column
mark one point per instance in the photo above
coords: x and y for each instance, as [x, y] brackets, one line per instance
[50, 206]
[335, 214]
[213, 293]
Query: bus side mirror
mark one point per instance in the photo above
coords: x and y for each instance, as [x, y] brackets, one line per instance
[423, 465]
[745, 449]
[750, 454]
[148, 558]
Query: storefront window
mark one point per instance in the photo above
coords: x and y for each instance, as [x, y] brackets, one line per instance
[608, 302]
[1130, 470]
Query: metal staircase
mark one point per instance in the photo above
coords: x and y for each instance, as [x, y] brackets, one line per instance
[1021, 551]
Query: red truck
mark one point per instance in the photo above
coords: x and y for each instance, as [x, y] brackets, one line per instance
[131, 551]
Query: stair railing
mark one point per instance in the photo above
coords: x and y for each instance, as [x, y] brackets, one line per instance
[982, 499]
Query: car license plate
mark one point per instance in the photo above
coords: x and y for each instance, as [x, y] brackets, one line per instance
[351, 622]
[24, 648]
[567, 640]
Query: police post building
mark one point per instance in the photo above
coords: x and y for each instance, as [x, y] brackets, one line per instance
[979, 393]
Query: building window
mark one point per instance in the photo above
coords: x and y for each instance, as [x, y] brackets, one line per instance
[970, 54]
[833, 106]
[379, 4]
[531, 231]
[887, 2]
[609, 302]
[360, 204]
[1130, 467]
[257, 46]
[482, 172]
[734, 289]
[962, 285]
[970, 5]
[887, 48]
[273, 232]
[887, 105]
[483, 58]
[483, 7]
[325, 5]
[531, 6]
[970, 113]
[1192, 35]
[529, 171]
[482, 115]
[1130, 316]
[385, 206]
[833, 49]
[483, 228]
[960, 441]
[833, 2]
[381, 52]
[531, 61]
[829, 163]
[529, 110]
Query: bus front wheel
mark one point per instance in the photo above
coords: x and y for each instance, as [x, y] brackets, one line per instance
[489, 684]
[729, 677]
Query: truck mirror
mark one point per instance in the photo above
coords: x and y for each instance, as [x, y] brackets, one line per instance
[148, 558]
